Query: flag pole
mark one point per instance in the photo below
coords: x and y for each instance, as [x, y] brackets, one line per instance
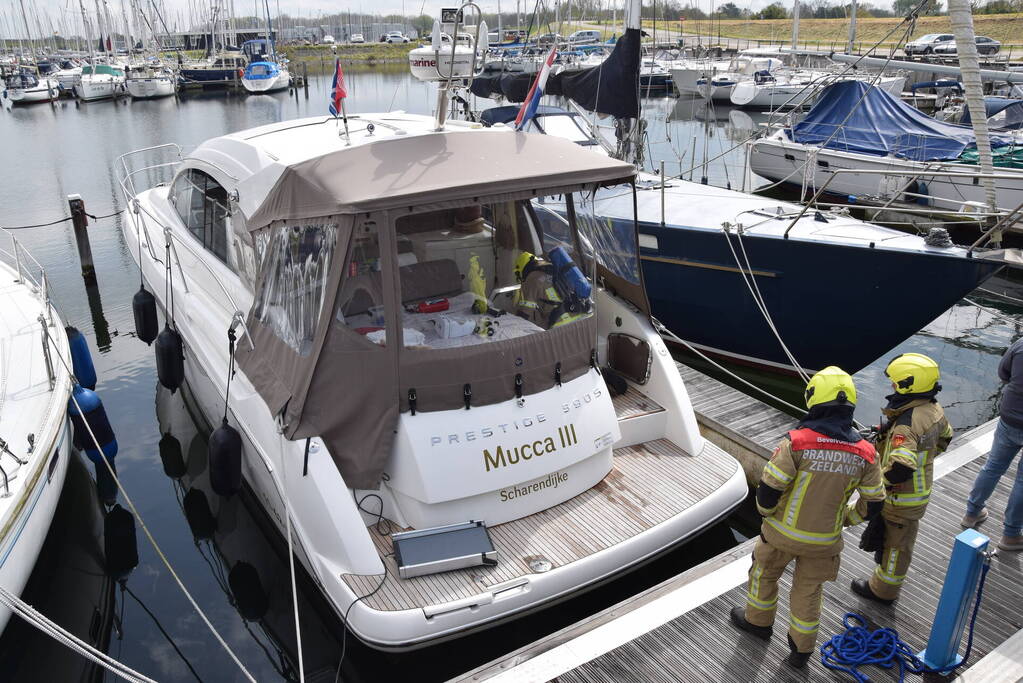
[344, 117]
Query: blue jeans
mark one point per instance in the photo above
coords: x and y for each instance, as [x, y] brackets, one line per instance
[1007, 443]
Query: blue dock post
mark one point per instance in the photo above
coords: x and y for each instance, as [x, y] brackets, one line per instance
[968, 557]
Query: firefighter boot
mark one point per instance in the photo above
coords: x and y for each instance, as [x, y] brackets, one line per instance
[797, 659]
[862, 589]
[739, 619]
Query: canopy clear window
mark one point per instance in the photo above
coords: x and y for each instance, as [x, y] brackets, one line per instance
[472, 275]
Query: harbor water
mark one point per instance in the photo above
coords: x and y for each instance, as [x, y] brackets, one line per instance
[224, 550]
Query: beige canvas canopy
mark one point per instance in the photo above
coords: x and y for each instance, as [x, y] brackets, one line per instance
[435, 168]
[326, 380]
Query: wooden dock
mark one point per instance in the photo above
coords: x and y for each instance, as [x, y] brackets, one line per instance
[745, 428]
[679, 630]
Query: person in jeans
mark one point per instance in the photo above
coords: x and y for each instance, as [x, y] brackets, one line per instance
[1007, 443]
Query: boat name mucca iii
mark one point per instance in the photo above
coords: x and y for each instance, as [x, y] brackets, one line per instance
[514, 455]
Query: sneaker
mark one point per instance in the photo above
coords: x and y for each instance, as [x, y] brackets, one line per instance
[973, 521]
[738, 616]
[1011, 543]
[797, 659]
[862, 589]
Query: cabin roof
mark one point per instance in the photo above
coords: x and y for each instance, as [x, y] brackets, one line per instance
[304, 169]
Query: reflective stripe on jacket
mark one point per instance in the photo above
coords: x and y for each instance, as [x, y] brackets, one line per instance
[816, 475]
[917, 433]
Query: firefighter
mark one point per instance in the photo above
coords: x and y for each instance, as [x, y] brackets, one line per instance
[915, 433]
[802, 496]
[539, 300]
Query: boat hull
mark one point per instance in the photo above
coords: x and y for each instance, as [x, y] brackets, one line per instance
[19, 547]
[781, 160]
[47, 91]
[821, 296]
[150, 88]
[101, 87]
[282, 81]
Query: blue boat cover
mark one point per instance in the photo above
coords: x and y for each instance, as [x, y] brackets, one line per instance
[881, 125]
[1012, 119]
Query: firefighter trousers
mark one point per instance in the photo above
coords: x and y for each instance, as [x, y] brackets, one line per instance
[899, 539]
[807, 590]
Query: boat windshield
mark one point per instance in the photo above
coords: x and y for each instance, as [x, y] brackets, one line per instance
[564, 126]
[471, 275]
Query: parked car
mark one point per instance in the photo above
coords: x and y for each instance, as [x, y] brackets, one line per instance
[328, 40]
[924, 45]
[357, 38]
[985, 46]
[585, 37]
[550, 39]
[395, 37]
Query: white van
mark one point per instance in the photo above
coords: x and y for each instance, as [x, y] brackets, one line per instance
[585, 37]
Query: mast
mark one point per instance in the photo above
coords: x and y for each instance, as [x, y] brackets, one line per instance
[961, 17]
[852, 28]
[795, 24]
[28, 33]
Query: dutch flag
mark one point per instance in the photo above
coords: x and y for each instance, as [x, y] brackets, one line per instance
[337, 89]
[532, 101]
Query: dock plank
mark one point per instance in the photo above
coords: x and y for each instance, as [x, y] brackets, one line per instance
[702, 645]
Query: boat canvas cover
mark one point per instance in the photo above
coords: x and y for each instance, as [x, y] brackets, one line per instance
[852, 116]
[440, 169]
[325, 380]
[1002, 113]
[611, 88]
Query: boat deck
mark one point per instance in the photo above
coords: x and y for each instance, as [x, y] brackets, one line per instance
[649, 483]
[679, 631]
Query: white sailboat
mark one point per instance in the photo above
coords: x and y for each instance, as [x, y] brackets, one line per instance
[150, 81]
[35, 437]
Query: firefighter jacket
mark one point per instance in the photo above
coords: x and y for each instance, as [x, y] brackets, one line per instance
[914, 436]
[816, 475]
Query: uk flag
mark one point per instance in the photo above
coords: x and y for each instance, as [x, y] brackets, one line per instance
[337, 89]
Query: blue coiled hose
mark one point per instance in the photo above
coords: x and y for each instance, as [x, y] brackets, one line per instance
[858, 646]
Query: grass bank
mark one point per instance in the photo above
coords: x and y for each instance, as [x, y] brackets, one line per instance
[1007, 28]
[365, 53]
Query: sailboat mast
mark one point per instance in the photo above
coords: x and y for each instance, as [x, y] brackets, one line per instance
[795, 24]
[28, 33]
[852, 28]
[961, 17]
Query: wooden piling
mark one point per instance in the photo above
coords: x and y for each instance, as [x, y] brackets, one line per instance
[81, 223]
[305, 77]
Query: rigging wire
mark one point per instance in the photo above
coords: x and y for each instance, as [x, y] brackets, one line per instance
[149, 535]
[39, 621]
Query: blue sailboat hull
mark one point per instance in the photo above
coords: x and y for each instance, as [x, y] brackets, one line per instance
[832, 304]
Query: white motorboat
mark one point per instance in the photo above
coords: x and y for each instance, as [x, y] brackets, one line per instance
[25, 87]
[35, 436]
[100, 82]
[383, 374]
[149, 82]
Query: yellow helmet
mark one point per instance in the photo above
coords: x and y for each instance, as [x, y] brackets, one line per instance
[913, 373]
[832, 384]
[520, 264]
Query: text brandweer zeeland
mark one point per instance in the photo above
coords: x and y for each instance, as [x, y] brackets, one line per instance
[834, 461]
[513, 455]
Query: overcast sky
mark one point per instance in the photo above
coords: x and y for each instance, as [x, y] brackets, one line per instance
[10, 12]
